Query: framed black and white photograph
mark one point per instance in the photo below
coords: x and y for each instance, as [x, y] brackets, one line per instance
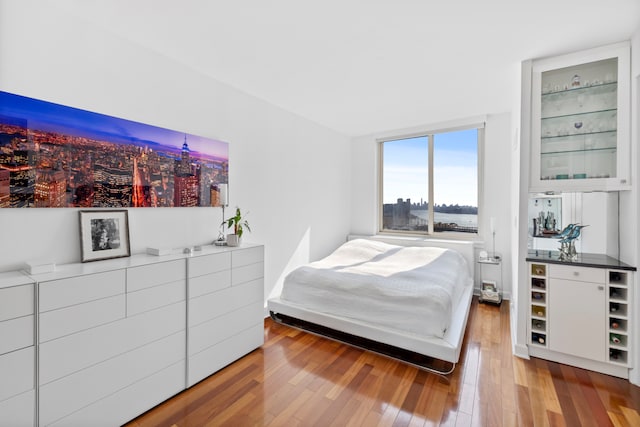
[104, 234]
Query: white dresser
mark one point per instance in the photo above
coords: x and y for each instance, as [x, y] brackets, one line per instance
[17, 350]
[100, 343]
[226, 309]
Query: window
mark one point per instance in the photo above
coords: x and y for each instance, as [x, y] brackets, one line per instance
[438, 169]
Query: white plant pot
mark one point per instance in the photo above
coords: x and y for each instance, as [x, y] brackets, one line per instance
[233, 240]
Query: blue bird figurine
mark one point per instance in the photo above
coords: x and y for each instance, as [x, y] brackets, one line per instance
[573, 234]
[565, 232]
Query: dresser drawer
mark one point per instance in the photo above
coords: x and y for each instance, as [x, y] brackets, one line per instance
[155, 274]
[16, 301]
[58, 323]
[77, 290]
[17, 372]
[199, 266]
[155, 297]
[246, 256]
[247, 273]
[581, 274]
[16, 334]
[208, 283]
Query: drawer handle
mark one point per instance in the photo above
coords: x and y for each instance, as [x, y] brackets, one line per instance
[576, 273]
[601, 288]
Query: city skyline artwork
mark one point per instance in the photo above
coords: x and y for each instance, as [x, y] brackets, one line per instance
[57, 156]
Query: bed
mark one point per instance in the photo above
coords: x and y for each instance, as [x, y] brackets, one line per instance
[405, 301]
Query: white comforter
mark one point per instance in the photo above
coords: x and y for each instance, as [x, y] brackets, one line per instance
[409, 289]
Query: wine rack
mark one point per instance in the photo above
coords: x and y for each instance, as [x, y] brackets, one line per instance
[538, 295]
[618, 298]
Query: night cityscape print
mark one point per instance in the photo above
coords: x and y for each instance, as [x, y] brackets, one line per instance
[56, 156]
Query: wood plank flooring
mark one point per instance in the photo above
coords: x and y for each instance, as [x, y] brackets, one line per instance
[299, 379]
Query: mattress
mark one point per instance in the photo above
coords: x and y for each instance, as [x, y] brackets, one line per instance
[408, 289]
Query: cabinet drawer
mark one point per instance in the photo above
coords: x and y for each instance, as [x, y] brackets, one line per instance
[118, 408]
[221, 328]
[208, 283]
[58, 323]
[71, 393]
[16, 334]
[17, 372]
[215, 304]
[199, 266]
[16, 302]
[78, 351]
[247, 273]
[220, 355]
[581, 274]
[155, 274]
[19, 410]
[247, 256]
[155, 297]
[76, 290]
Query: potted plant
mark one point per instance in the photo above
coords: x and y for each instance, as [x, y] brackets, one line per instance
[239, 224]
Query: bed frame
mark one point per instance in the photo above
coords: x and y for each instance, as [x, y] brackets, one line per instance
[439, 355]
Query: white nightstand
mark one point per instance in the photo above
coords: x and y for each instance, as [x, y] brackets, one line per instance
[490, 279]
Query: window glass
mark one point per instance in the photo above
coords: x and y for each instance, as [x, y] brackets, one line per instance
[450, 160]
[455, 179]
[405, 184]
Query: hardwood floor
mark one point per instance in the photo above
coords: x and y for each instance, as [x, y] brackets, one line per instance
[298, 379]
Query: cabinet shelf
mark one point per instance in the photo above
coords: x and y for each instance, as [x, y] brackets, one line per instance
[584, 150]
[573, 136]
[579, 114]
[539, 325]
[607, 86]
[618, 356]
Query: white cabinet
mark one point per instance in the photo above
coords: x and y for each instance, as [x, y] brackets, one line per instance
[98, 344]
[105, 334]
[580, 121]
[17, 350]
[226, 314]
[579, 316]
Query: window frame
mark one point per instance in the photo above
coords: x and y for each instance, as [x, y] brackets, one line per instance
[430, 133]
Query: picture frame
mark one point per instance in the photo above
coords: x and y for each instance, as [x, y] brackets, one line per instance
[104, 234]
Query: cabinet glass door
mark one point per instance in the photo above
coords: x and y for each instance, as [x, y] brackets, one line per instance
[580, 125]
[579, 121]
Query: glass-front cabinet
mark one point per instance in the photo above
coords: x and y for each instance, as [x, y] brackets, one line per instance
[580, 121]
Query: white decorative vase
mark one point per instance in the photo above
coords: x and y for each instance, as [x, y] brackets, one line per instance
[233, 240]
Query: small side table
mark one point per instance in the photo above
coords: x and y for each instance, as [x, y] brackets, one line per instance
[490, 289]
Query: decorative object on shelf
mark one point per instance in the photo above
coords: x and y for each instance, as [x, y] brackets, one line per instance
[567, 241]
[239, 223]
[223, 201]
[123, 163]
[104, 234]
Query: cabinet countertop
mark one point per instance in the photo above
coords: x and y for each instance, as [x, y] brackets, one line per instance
[583, 260]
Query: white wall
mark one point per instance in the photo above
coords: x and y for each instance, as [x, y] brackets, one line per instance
[290, 174]
[497, 172]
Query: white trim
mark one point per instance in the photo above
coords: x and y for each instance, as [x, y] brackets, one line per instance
[478, 122]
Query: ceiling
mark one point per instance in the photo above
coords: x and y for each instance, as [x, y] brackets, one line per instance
[365, 66]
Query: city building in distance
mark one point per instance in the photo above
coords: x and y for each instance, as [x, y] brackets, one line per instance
[57, 156]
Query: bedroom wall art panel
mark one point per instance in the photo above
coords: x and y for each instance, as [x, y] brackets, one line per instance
[57, 156]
